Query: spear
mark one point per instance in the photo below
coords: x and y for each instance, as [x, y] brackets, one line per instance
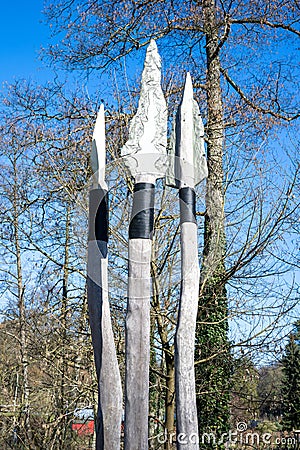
[109, 414]
[189, 168]
[145, 157]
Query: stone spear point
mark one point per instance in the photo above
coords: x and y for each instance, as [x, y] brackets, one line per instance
[145, 157]
[186, 150]
[109, 415]
[145, 151]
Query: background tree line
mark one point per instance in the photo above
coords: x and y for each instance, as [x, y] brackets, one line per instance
[243, 58]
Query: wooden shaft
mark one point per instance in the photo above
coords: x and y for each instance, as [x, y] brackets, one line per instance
[186, 411]
[109, 415]
[138, 345]
[138, 319]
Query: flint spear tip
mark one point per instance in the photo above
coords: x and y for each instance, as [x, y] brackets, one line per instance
[145, 149]
[152, 61]
[152, 44]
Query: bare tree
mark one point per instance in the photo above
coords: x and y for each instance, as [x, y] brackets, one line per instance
[41, 196]
[242, 58]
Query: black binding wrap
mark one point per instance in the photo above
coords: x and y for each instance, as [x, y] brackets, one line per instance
[98, 215]
[142, 218]
[187, 197]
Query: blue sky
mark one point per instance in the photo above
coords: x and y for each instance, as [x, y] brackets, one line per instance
[21, 35]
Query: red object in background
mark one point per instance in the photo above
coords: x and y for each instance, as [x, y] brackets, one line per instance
[84, 429]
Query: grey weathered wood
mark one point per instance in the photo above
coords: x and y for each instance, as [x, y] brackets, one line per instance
[109, 415]
[186, 411]
[138, 345]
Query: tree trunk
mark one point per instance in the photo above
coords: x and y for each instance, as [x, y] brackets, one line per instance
[168, 351]
[64, 326]
[24, 423]
[211, 337]
[170, 398]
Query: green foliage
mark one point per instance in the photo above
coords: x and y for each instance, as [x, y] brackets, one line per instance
[270, 391]
[268, 426]
[244, 391]
[291, 387]
[213, 362]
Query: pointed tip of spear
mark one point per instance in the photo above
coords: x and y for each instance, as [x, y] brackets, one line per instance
[152, 45]
[98, 154]
[188, 92]
[152, 49]
[100, 124]
[188, 79]
[187, 155]
[152, 64]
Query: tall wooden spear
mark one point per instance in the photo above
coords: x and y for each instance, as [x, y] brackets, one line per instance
[145, 156]
[189, 169]
[109, 415]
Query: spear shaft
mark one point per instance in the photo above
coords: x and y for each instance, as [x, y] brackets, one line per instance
[138, 318]
[145, 156]
[108, 423]
[186, 410]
